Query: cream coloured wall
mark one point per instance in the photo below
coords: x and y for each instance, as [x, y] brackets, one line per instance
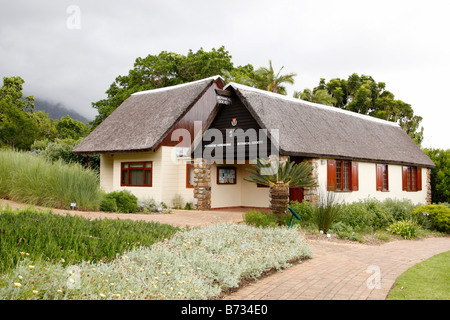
[367, 184]
[168, 176]
[241, 194]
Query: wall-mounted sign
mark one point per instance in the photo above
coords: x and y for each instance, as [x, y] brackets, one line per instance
[226, 175]
[223, 100]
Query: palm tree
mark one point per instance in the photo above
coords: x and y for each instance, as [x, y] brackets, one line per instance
[266, 79]
[320, 96]
[280, 176]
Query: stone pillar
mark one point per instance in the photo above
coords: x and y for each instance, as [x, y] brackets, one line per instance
[202, 184]
[428, 186]
[312, 194]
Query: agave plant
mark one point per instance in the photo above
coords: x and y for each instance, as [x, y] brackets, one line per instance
[280, 175]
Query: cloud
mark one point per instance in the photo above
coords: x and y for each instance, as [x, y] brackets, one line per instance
[402, 43]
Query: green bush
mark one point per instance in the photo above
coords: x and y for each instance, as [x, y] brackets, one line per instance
[438, 215]
[303, 209]
[367, 215]
[124, 201]
[405, 228]
[260, 218]
[399, 209]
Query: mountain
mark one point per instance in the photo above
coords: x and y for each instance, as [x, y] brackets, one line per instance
[57, 111]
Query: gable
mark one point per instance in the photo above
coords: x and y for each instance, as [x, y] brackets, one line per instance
[234, 134]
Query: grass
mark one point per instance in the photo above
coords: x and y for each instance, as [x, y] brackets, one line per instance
[48, 236]
[428, 280]
[32, 179]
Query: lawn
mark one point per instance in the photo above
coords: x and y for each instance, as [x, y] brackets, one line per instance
[428, 280]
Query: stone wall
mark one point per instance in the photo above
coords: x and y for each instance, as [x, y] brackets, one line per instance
[428, 186]
[202, 184]
[312, 194]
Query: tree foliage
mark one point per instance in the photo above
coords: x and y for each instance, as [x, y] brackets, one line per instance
[362, 94]
[440, 175]
[266, 79]
[163, 70]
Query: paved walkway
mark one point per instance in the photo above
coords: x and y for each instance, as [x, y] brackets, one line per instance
[338, 270]
[344, 271]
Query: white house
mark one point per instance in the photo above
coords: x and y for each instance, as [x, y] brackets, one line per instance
[197, 139]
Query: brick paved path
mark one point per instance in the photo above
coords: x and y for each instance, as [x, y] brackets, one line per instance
[344, 271]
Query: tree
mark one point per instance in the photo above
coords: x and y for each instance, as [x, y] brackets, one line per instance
[280, 176]
[320, 96]
[18, 128]
[162, 70]
[69, 128]
[440, 175]
[362, 94]
[266, 79]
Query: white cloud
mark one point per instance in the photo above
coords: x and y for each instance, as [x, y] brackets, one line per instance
[402, 43]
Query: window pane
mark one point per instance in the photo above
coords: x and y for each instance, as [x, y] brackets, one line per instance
[338, 175]
[148, 177]
[125, 165]
[124, 177]
[148, 164]
[136, 177]
[191, 176]
[413, 179]
[346, 175]
[385, 177]
[136, 165]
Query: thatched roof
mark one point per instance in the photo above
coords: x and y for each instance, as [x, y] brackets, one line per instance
[306, 129]
[142, 121]
[314, 130]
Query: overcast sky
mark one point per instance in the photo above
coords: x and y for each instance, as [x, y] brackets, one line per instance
[405, 44]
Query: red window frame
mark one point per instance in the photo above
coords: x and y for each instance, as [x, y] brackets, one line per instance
[127, 167]
[189, 166]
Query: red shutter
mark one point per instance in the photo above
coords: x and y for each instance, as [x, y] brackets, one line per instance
[405, 178]
[331, 175]
[354, 178]
[419, 179]
[379, 171]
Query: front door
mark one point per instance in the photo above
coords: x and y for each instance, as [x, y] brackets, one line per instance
[296, 194]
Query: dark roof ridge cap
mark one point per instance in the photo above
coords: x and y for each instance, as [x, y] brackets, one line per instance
[239, 86]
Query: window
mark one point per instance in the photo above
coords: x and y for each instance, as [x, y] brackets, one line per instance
[189, 175]
[342, 175]
[382, 177]
[412, 178]
[137, 174]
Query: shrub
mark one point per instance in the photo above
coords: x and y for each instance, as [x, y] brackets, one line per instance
[366, 215]
[405, 228]
[198, 263]
[438, 215]
[325, 213]
[125, 201]
[260, 218]
[303, 209]
[399, 209]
